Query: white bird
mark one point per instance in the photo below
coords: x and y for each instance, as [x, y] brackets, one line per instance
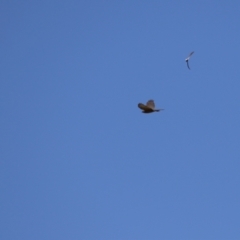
[187, 59]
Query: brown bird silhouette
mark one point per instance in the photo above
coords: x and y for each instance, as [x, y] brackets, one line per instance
[149, 107]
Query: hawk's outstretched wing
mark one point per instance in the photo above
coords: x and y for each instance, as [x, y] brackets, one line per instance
[144, 107]
[151, 104]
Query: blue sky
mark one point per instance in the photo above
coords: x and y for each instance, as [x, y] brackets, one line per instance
[78, 158]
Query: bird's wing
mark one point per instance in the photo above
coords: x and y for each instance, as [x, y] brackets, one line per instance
[189, 56]
[188, 65]
[151, 104]
[143, 107]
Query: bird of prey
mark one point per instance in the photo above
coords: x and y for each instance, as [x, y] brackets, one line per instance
[187, 59]
[149, 107]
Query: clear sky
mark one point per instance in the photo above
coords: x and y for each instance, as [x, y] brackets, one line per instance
[78, 159]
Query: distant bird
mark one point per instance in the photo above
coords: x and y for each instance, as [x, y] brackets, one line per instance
[149, 107]
[187, 59]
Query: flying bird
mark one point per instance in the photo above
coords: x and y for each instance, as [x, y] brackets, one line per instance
[187, 59]
[149, 107]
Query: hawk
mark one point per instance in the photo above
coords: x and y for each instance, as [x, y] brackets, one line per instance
[149, 107]
[187, 59]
